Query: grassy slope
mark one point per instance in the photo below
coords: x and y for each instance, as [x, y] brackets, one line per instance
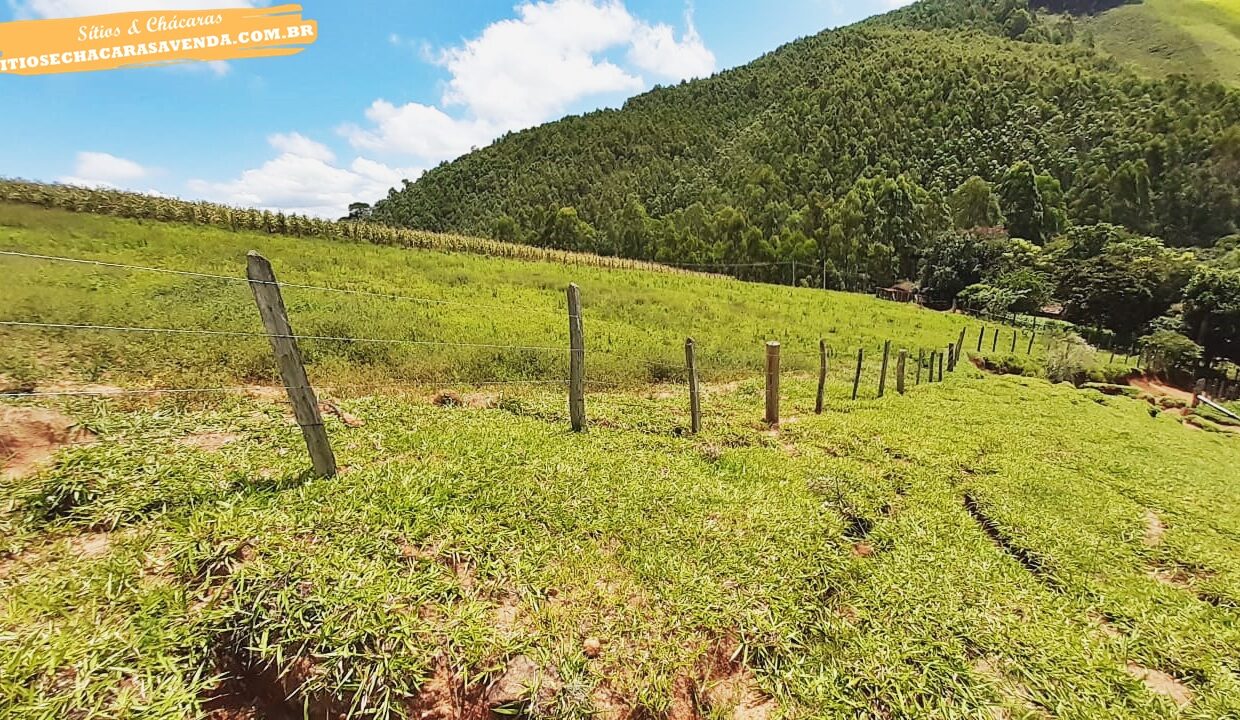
[472, 536]
[461, 538]
[1199, 38]
[636, 322]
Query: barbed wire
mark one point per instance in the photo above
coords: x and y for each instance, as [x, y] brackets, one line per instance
[238, 333]
[300, 286]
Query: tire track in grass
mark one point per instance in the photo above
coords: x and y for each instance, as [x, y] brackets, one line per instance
[1028, 559]
[1156, 681]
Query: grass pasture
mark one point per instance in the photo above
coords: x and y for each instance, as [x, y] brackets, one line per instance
[636, 322]
[1198, 38]
[985, 547]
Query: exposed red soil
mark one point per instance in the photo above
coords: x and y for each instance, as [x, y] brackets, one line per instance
[720, 686]
[30, 436]
[1159, 389]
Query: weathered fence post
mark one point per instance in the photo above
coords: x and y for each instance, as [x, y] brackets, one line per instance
[882, 378]
[1015, 335]
[994, 344]
[1032, 335]
[772, 382]
[695, 400]
[857, 377]
[934, 354]
[577, 361]
[951, 357]
[822, 375]
[921, 361]
[288, 356]
[901, 362]
[981, 336]
[949, 349]
[959, 348]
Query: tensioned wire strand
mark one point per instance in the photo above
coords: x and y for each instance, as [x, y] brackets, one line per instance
[236, 333]
[299, 286]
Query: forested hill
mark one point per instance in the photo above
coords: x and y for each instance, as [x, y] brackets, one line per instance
[860, 147]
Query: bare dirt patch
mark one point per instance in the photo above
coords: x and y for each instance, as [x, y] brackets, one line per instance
[720, 685]
[1009, 688]
[331, 408]
[90, 545]
[29, 437]
[523, 684]
[1159, 389]
[443, 696]
[209, 442]
[1154, 529]
[1161, 683]
[1176, 576]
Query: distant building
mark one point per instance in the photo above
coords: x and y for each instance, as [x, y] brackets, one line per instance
[1052, 310]
[903, 291]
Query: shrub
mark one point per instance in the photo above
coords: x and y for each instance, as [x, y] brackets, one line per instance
[1167, 350]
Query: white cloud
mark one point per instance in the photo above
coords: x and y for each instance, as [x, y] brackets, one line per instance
[77, 8]
[527, 70]
[656, 49]
[419, 131]
[304, 179]
[520, 71]
[99, 169]
[298, 144]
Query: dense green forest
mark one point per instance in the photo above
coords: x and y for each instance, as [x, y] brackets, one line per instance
[979, 146]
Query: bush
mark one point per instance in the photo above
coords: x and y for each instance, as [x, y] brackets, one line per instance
[1167, 350]
[1068, 358]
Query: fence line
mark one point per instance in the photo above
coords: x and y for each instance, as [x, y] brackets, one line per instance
[282, 336]
[301, 391]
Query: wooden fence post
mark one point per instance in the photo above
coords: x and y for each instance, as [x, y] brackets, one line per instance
[1032, 335]
[949, 349]
[695, 400]
[921, 362]
[772, 383]
[577, 361]
[959, 348]
[882, 378]
[980, 337]
[994, 344]
[934, 354]
[900, 368]
[857, 377]
[822, 375]
[288, 356]
[1015, 335]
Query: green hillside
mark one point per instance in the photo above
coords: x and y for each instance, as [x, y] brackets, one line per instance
[1197, 38]
[982, 547]
[844, 149]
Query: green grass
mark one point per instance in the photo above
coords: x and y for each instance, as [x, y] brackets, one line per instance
[834, 566]
[661, 546]
[1198, 38]
[636, 322]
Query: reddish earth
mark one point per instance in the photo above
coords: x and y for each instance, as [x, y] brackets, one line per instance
[29, 437]
[1158, 389]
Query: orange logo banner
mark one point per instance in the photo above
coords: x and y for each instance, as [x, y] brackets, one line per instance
[107, 42]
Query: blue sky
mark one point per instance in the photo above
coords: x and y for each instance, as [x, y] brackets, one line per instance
[389, 89]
